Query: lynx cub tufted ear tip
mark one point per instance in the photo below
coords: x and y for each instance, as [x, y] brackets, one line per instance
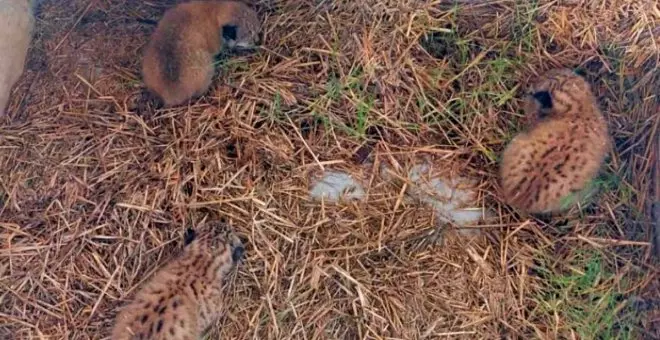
[188, 236]
[544, 98]
[237, 253]
[229, 32]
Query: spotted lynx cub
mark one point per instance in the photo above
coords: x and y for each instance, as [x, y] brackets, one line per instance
[178, 61]
[185, 297]
[562, 150]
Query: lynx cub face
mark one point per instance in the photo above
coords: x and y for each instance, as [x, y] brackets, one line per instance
[547, 168]
[243, 31]
[559, 92]
[186, 296]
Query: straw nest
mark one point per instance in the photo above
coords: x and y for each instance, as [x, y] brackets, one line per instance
[96, 186]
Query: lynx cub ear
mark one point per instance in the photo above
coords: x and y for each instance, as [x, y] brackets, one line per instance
[543, 97]
[229, 32]
[237, 253]
[188, 236]
[580, 72]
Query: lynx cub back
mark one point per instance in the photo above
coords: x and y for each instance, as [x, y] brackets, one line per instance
[543, 168]
[185, 297]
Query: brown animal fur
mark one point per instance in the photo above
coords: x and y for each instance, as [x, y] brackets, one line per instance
[178, 63]
[563, 149]
[185, 297]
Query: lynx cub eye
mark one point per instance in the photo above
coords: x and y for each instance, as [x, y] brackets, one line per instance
[580, 72]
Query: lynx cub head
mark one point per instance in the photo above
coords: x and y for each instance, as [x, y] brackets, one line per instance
[244, 29]
[215, 239]
[558, 92]
[187, 294]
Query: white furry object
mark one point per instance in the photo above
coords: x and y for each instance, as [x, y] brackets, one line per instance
[16, 26]
[335, 185]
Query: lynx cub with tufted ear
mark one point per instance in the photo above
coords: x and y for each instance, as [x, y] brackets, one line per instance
[562, 150]
[178, 62]
[184, 298]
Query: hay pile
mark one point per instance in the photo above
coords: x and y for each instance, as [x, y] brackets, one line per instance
[96, 187]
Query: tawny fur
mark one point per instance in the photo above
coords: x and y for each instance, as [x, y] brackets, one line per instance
[563, 149]
[184, 298]
[178, 62]
[16, 26]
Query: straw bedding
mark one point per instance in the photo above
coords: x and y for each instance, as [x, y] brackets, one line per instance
[97, 186]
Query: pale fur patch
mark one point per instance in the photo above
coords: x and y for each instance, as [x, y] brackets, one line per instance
[16, 25]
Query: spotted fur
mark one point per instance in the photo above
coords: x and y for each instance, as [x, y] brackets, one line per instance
[178, 62]
[548, 167]
[184, 298]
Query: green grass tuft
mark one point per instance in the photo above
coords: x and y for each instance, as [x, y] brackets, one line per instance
[584, 299]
